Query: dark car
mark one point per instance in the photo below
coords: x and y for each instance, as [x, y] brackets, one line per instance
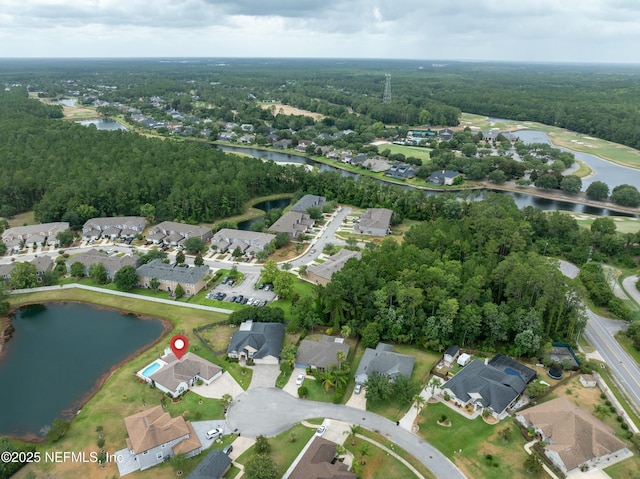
[239, 299]
[222, 295]
[245, 300]
[227, 450]
[233, 299]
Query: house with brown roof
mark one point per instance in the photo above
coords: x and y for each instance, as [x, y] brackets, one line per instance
[573, 435]
[319, 462]
[175, 376]
[154, 437]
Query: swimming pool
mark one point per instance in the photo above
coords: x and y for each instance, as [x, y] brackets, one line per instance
[152, 368]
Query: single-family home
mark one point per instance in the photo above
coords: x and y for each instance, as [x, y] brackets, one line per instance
[112, 227]
[384, 361]
[402, 171]
[227, 136]
[573, 435]
[214, 466]
[112, 264]
[293, 223]
[320, 354]
[374, 222]
[321, 273]
[191, 279]
[282, 144]
[259, 342]
[318, 461]
[5, 271]
[173, 233]
[444, 177]
[33, 235]
[450, 354]
[445, 134]
[154, 437]
[376, 164]
[247, 241]
[485, 386]
[308, 201]
[303, 145]
[175, 376]
[359, 159]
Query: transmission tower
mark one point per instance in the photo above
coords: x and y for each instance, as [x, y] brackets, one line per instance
[386, 98]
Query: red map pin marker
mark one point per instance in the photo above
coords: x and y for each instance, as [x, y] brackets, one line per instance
[179, 345]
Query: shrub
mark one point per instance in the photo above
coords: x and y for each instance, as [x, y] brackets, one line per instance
[303, 391]
[100, 442]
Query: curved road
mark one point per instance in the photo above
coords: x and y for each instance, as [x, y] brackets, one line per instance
[600, 332]
[270, 411]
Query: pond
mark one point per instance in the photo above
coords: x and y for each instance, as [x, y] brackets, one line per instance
[265, 206]
[103, 124]
[56, 358]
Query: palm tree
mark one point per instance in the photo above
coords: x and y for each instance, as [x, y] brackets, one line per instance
[340, 357]
[435, 382]
[354, 429]
[328, 379]
[419, 402]
[356, 468]
[365, 450]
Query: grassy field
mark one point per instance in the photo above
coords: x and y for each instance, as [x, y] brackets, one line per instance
[415, 151]
[378, 463]
[624, 224]
[475, 439]
[614, 152]
[583, 171]
[107, 408]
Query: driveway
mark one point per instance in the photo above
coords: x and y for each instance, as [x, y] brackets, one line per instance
[225, 384]
[272, 411]
[358, 401]
[291, 387]
[264, 376]
[202, 427]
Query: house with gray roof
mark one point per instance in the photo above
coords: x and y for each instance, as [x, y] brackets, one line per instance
[485, 387]
[213, 466]
[444, 177]
[245, 240]
[384, 361]
[43, 264]
[374, 222]
[191, 279]
[259, 342]
[33, 235]
[376, 164]
[175, 376]
[308, 201]
[321, 273]
[320, 354]
[402, 171]
[126, 226]
[173, 233]
[293, 223]
[5, 271]
[112, 264]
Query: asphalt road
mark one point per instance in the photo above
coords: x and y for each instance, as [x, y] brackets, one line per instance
[269, 411]
[600, 332]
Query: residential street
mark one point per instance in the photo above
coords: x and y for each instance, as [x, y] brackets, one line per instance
[269, 411]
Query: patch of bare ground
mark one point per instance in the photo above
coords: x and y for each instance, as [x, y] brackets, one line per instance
[281, 108]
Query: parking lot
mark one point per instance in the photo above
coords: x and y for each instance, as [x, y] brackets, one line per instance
[247, 289]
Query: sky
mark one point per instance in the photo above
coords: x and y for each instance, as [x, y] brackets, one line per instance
[592, 31]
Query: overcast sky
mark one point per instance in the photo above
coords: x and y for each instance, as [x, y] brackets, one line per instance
[519, 30]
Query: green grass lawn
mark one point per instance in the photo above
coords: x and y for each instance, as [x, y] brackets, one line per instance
[629, 468]
[316, 391]
[301, 288]
[476, 439]
[415, 151]
[283, 449]
[378, 463]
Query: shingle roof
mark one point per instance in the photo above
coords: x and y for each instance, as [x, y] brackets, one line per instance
[153, 427]
[320, 353]
[43, 264]
[121, 222]
[307, 201]
[316, 463]
[508, 365]
[384, 361]
[263, 338]
[575, 434]
[491, 387]
[333, 263]
[110, 263]
[375, 218]
[180, 228]
[211, 467]
[185, 369]
[162, 271]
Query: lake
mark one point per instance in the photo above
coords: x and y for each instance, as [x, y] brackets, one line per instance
[57, 355]
[103, 124]
[265, 206]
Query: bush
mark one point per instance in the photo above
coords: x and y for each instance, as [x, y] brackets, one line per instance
[303, 391]
[100, 442]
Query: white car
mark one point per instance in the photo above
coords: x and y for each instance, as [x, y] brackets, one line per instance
[214, 433]
[320, 431]
[299, 379]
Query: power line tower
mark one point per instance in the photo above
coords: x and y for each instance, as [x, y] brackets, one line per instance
[386, 97]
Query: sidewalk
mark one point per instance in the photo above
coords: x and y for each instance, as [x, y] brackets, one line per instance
[392, 453]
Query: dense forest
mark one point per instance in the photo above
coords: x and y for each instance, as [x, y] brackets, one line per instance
[65, 171]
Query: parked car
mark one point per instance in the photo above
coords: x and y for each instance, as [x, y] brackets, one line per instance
[214, 433]
[261, 286]
[321, 430]
[227, 450]
[245, 300]
[313, 250]
[358, 388]
[300, 379]
[232, 299]
[239, 299]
